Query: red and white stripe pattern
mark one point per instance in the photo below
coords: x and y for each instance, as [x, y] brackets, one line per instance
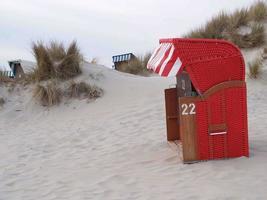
[165, 61]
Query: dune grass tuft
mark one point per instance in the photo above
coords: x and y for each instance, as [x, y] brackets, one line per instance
[253, 39]
[56, 50]
[237, 19]
[95, 92]
[70, 64]
[54, 61]
[227, 26]
[55, 64]
[258, 11]
[257, 35]
[45, 69]
[214, 28]
[47, 95]
[255, 68]
[83, 89]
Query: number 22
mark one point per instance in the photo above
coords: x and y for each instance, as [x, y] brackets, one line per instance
[188, 109]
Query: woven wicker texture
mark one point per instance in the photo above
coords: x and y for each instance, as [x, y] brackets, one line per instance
[202, 130]
[237, 122]
[209, 62]
[217, 115]
[226, 106]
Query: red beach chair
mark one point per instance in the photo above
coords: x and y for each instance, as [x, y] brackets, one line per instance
[207, 111]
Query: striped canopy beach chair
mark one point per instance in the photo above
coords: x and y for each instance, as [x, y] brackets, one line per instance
[206, 113]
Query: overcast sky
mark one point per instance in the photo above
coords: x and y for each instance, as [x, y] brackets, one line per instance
[102, 28]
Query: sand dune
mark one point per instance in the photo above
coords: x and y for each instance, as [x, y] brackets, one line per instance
[115, 147]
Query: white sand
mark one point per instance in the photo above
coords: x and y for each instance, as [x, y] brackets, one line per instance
[115, 147]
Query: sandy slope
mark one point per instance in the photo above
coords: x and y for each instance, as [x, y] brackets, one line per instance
[115, 147]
